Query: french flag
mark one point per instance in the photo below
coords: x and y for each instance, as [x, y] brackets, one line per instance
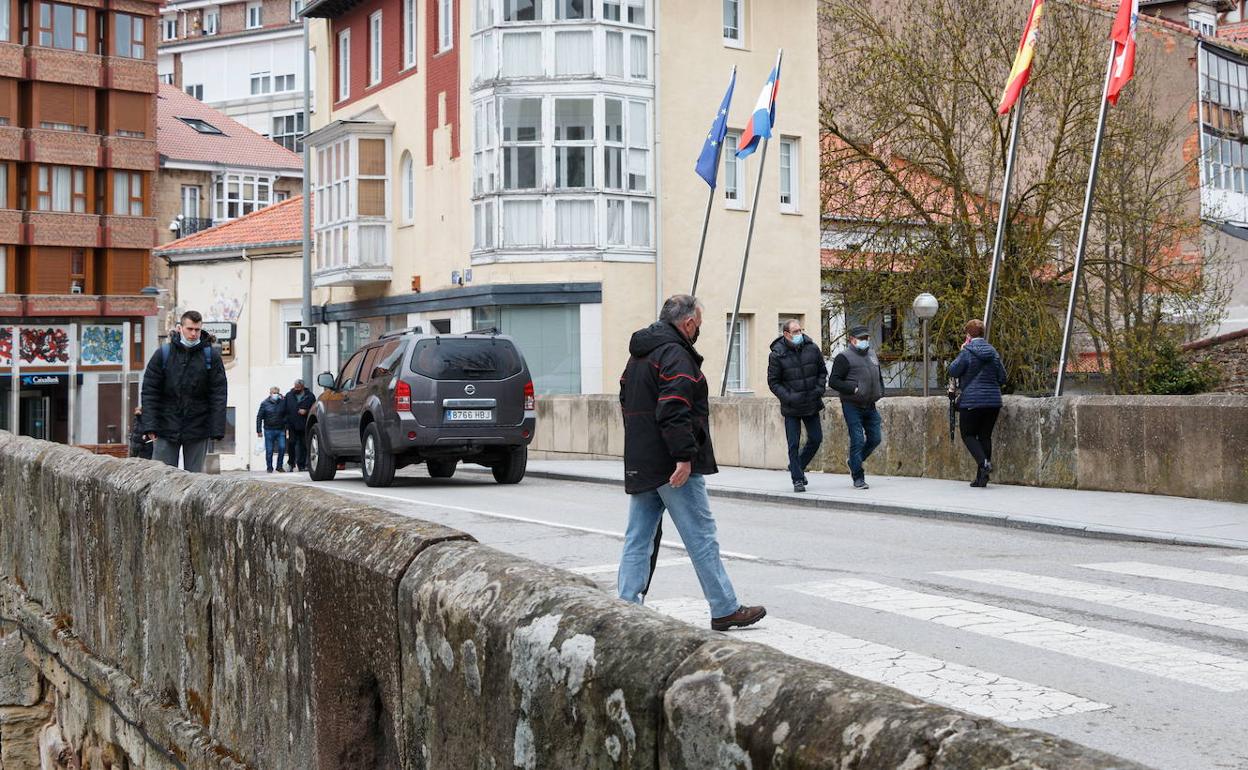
[764, 116]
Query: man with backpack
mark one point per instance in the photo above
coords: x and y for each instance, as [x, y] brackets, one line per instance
[184, 395]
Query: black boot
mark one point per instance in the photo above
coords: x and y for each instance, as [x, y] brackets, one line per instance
[981, 477]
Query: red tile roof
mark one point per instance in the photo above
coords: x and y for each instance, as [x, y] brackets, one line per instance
[277, 225]
[236, 145]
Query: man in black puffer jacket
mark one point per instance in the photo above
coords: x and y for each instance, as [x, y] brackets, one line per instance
[184, 395]
[798, 376]
[667, 452]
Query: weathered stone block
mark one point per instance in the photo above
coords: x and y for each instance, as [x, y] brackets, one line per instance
[599, 419]
[507, 663]
[578, 425]
[19, 735]
[19, 678]
[725, 430]
[738, 705]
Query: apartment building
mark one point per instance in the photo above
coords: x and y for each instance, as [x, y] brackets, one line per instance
[77, 162]
[529, 165]
[244, 58]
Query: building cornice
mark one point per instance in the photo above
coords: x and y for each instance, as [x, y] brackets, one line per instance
[214, 168]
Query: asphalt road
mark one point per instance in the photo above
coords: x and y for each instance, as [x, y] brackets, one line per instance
[1137, 649]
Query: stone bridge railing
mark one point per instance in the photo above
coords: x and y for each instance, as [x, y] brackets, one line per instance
[1188, 446]
[156, 619]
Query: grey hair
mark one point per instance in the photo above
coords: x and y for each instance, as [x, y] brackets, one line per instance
[299, 382]
[787, 323]
[679, 307]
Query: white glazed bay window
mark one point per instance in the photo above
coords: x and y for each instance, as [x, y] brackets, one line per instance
[352, 202]
[235, 195]
[562, 171]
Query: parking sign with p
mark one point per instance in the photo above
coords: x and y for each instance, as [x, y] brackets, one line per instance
[301, 340]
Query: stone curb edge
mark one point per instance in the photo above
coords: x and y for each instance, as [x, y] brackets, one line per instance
[1096, 531]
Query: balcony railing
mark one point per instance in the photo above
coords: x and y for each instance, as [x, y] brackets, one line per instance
[191, 225]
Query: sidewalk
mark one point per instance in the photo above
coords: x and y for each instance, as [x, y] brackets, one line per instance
[1114, 515]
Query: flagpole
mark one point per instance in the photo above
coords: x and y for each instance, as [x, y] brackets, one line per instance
[745, 260]
[706, 222]
[1003, 214]
[1083, 225]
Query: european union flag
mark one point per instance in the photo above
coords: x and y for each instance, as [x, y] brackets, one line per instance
[708, 162]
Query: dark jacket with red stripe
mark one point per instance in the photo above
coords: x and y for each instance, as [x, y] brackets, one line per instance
[664, 397]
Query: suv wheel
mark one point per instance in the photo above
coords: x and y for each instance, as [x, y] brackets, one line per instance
[441, 469]
[321, 464]
[375, 461]
[510, 470]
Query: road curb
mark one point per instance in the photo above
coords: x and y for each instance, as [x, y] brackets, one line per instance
[1095, 531]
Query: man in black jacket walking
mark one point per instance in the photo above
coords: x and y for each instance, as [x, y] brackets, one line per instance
[299, 401]
[184, 395]
[856, 376]
[667, 453]
[271, 421]
[797, 375]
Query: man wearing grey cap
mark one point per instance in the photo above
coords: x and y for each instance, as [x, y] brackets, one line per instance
[856, 377]
[299, 401]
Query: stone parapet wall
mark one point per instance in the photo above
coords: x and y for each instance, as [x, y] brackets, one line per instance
[1187, 446]
[170, 620]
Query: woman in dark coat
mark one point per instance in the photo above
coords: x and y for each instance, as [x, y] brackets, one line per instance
[980, 375]
[139, 447]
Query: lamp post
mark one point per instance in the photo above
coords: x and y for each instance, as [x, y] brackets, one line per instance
[925, 307]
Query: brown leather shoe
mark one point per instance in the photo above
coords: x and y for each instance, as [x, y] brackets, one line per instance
[744, 616]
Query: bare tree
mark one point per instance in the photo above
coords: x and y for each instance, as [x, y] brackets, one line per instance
[914, 157]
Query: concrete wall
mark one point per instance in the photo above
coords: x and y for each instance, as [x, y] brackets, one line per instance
[171, 620]
[1189, 446]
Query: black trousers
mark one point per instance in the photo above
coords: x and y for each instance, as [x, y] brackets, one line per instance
[976, 426]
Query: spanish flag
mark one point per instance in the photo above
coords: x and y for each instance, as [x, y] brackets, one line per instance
[1022, 60]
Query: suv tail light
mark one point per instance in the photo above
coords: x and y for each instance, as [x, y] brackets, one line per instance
[403, 396]
[530, 402]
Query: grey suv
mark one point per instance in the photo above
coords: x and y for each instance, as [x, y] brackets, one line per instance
[411, 397]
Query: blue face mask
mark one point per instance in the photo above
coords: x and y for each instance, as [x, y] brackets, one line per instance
[798, 339]
[187, 343]
[862, 344]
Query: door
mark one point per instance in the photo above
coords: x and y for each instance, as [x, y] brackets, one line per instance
[468, 383]
[36, 417]
[337, 404]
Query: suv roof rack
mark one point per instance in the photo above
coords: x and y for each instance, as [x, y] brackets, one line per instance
[401, 332]
[491, 330]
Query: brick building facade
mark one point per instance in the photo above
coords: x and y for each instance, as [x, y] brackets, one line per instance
[77, 172]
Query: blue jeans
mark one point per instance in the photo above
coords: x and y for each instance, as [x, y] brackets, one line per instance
[814, 437]
[274, 443]
[864, 434]
[690, 509]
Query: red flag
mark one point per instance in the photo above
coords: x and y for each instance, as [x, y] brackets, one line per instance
[1123, 35]
[1021, 70]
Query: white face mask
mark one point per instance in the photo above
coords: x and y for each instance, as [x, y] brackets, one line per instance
[274, 396]
[862, 344]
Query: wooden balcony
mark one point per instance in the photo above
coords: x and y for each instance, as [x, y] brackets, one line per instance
[128, 152]
[64, 148]
[73, 67]
[11, 142]
[10, 227]
[130, 74]
[57, 228]
[128, 232]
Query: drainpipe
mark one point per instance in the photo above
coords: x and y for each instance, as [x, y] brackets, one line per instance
[307, 203]
[658, 173]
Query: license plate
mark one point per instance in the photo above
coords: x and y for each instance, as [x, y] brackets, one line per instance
[469, 415]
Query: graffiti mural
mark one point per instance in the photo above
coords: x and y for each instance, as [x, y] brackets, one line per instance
[101, 345]
[44, 346]
[6, 346]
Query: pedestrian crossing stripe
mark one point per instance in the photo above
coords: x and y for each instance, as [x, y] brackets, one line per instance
[1159, 605]
[1211, 671]
[968, 689]
[1174, 574]
[614, 567]
[1232, 559]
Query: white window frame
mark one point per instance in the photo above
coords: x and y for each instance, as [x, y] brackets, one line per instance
[407, 181]
[446, 25]
[191, 193]
[195, 91]
[246, 204]
[295, 5]
[169, 27]
[374, 48]
[261, 83]
[255, 15]
[212, 21]
[792, 147]
[561, 6]
[541, 143]
[409, 34]
[283, 83]
[735, 191]
[344, 65]
[734, 37]
[738, 366]
[290, 139]
[485, 174]
[538, 13]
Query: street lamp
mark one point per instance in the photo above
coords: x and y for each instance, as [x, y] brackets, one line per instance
[925, 307]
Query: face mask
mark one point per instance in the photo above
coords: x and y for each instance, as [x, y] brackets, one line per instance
[798, 339]
[188, 343]
[694, 337]
[274, 397]
[862, 344]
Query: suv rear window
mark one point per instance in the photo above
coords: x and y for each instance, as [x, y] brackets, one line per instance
[466, 359]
